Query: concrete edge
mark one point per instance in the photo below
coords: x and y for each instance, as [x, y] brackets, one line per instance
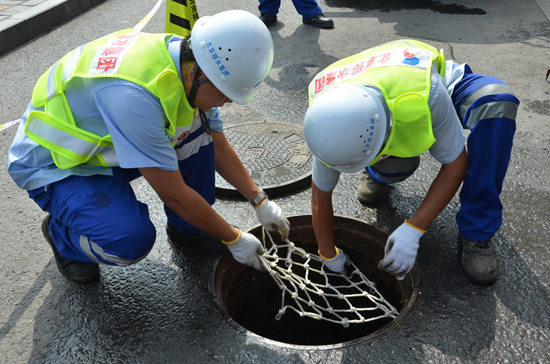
[23, 29]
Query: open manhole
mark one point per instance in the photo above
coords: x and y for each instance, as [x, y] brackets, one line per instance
[252, 299]
[274, 153]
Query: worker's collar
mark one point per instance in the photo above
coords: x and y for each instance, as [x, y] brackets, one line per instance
[174, 50]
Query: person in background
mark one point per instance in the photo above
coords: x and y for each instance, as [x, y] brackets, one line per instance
[309, 10]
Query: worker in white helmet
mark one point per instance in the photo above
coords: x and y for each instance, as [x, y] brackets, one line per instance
[377, 112]
[135, 104]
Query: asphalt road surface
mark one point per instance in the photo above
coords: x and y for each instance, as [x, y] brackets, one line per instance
[162, 310]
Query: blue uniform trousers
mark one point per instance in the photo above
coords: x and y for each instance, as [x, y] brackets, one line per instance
[99, 219]
[306, 8]
[487, 107]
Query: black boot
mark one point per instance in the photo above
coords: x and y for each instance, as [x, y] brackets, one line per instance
[479, 260]
[200, 239]
[73, 270]
[370, 191]
[320, 21]
[268, 19]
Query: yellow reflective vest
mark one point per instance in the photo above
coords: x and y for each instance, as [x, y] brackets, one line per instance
[140, 58]
[401, 70]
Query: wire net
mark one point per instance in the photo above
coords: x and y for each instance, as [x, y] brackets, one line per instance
[312, 290]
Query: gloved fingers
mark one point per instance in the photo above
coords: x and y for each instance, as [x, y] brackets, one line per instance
[389, 246]
[271, 227]
[401, 277]
[386, 263]
[282, 229]
[285, 228]
[260, 249]
[254, 241]
[246, 250]
[257, 264]
[271, 216]
[335, 267]
[391, 266]
[338, 263]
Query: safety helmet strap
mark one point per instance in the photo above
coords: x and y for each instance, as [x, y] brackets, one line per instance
[195, 86]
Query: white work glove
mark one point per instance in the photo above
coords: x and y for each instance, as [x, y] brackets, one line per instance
[271, 216]
[338, 263]
[400, 251]
[245, 249]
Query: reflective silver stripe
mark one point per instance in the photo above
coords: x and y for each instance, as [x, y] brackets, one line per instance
[70, 65]
[60, 138]
[491, 89]
[196, 124]
[491, 110]
[193, 147]
[51, 81]
[109, 156]
[91, 249]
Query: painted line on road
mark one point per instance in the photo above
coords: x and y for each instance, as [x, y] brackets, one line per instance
[544, 5]
[138, 27]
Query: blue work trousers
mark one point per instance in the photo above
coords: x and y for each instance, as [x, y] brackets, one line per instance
[487, 107]
[99, 219]
[306, 8]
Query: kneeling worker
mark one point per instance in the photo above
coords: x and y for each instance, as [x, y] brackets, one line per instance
[377, 112]
[134, 104]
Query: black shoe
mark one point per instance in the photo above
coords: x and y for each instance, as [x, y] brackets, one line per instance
[200, 239]
[479, 260]
[268, 19]
[73, 270]
[320, 21]
[370, 192]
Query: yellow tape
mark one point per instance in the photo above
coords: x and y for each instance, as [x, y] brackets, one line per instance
[7, 125]
[181, 15]
[139, 26]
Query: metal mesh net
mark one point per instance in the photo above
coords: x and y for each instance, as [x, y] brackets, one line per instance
[312, 290]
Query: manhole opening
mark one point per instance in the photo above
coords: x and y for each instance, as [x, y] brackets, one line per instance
[252, 299]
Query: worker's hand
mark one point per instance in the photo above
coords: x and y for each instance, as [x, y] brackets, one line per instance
[271, 216]
[338, 263]
[400, 251]
[245, 249]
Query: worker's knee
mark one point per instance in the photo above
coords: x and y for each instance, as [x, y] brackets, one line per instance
[128, 246]
[394, 169]
[140, 242]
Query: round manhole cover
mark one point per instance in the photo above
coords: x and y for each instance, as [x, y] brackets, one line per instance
[252, 299]
[274, 153]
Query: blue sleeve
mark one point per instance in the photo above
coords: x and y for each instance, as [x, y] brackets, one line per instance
[135, 120]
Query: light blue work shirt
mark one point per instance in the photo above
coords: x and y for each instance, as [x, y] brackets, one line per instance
[447, 129]
[132, 115]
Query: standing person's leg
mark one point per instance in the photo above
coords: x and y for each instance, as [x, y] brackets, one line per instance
[488, 107]
[95, 219]
[269, 10]
[312, 13]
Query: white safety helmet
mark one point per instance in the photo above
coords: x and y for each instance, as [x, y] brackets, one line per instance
[345, 127]
[235, 51]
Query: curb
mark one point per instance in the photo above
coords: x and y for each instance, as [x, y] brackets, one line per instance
[27, 25]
